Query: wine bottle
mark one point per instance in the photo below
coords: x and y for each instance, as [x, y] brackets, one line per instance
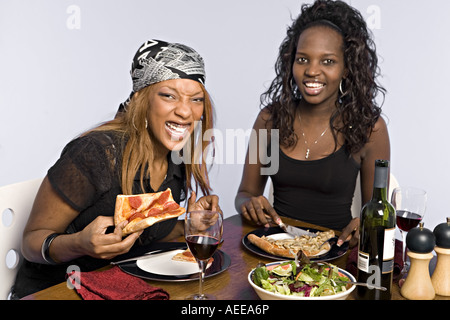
[377, 239]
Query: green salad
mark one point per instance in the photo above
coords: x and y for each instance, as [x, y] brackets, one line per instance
[311, 280]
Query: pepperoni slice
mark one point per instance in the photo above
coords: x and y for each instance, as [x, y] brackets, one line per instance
[163, 197]
[170, 206]
[135, 216]
[154, 212]
[188, 254]
[135, 202]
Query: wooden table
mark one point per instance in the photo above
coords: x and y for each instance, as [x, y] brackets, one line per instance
[231, 284]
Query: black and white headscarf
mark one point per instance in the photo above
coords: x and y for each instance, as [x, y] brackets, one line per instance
[157, 61]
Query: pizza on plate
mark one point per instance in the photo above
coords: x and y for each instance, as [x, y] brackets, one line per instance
[187, 256]
[144, 210]
[289, 247]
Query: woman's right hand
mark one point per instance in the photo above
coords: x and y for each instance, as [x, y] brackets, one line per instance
[95, 242]
[259, 210]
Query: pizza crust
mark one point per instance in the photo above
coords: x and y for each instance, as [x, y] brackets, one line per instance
[268, 247]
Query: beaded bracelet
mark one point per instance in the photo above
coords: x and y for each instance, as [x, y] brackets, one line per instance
[45, 249]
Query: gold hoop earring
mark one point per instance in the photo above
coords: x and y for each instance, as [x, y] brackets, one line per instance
[134, 126]
[132, 122]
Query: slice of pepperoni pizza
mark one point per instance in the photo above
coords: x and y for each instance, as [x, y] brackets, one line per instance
[187, 256]
[144, 210]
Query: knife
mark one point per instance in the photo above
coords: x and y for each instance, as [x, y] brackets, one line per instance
[293, 231]
[296, 232]
[146, 255]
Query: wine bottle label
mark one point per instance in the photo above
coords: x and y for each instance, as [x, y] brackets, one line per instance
[388, 254]
[387, 266]
[363, 261]
[389, 244]
[388, 251]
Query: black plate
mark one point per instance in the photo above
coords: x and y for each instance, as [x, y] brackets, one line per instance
[221, 262]
[335, 251]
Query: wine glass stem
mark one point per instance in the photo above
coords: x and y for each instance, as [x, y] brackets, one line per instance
[404, 250]
[202, 265]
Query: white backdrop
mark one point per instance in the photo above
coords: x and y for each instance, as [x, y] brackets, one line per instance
[65, 68]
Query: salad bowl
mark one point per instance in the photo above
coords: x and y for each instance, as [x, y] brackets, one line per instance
[269, 295]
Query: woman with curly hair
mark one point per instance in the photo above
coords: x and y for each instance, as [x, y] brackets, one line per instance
[323, 104]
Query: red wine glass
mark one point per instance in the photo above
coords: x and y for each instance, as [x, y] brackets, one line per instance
[203, 232]
[410, 205]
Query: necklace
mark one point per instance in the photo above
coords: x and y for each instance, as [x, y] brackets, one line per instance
[308, 150]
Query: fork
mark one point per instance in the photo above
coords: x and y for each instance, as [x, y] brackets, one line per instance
[331, 241]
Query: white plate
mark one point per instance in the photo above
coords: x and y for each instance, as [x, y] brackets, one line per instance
[280, 236]
[163, 264]
[284, 236]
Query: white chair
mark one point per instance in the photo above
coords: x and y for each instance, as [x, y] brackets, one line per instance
[16, 201]
[356, 205]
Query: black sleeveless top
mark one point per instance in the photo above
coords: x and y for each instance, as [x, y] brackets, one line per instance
[318, 191]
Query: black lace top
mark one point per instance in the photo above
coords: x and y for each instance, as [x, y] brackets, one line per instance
[86, 176]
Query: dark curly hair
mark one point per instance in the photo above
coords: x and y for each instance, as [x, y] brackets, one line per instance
[356, 108]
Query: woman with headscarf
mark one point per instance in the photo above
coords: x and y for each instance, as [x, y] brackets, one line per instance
[131, 154]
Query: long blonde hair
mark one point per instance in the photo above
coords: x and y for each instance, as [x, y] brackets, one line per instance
[138, 151]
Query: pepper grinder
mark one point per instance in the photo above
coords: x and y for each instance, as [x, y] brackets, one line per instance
[441, 274]
[420, 242]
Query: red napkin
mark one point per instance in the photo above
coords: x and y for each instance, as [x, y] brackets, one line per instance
[352, 261]
[114, 284]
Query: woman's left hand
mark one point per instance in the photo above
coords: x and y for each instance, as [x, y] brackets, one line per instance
[210, 202]
[350, 233]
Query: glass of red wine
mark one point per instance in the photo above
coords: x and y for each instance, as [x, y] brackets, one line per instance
[410, 205]
[203, 232]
